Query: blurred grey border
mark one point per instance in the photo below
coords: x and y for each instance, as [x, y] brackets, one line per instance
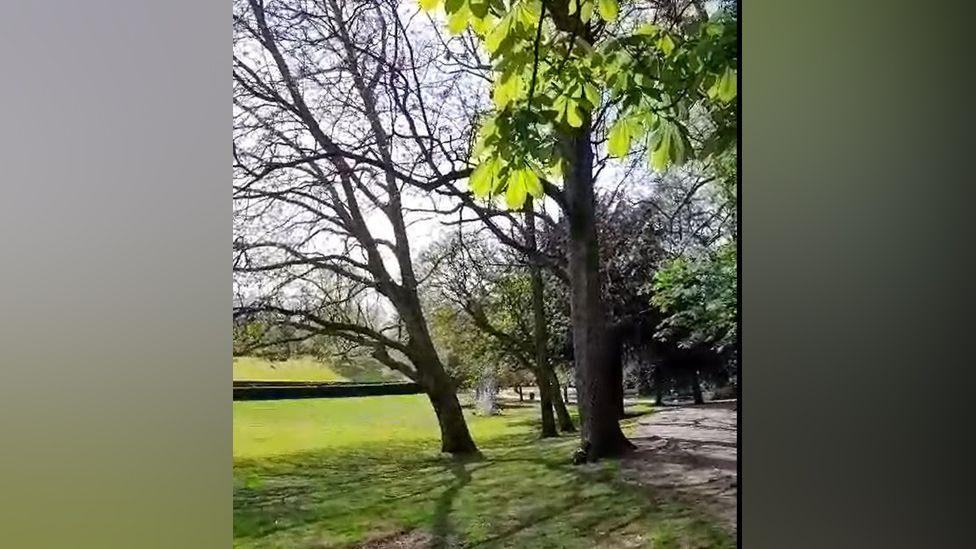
[115, 406]
[857, 285]
[115, 292]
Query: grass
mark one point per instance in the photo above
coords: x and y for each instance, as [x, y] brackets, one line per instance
[342, 472]
[310, 369]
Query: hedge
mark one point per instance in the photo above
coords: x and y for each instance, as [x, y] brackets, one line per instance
[283, 390]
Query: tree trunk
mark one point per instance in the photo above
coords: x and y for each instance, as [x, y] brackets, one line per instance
[455, 438]
[545, 405]
[540, 337]
[562, 414]
[696, 387]
[600, 433]
[518, 389]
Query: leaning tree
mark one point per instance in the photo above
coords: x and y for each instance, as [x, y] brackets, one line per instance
[340, 117]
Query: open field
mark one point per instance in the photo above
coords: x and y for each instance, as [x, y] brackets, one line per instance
[309, 369]
[355, 471]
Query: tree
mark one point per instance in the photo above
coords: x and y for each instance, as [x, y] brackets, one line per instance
[333, 112]
[699, 298]
[560, 70]
[493, 291]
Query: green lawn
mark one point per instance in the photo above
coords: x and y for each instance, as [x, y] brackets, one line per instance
[339, 472]
[309, 369]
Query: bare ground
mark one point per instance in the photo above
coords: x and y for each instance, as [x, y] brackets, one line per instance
[688, 453]
[413, 539]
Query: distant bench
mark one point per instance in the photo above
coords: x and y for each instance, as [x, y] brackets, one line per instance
[285, 390]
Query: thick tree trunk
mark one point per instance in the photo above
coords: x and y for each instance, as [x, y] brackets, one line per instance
[562, 414]
[455, 438]
[696, 387]
[440, 389]
[600, 433]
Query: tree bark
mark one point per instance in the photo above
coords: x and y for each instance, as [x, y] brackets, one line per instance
[440, 388]
[545, 405]
[455, 438]
[559, 403]
[600, 433]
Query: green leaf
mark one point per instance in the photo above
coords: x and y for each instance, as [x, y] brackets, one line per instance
[498, 34]
[429, 5]
[458, 21]
[573, 115]
[592, 94]
[608, 9]
[725, 88]
[528, 13]
[452, 6]
[586, 10]
[678, 149]
[509, 88]
[661, 150]
[620, 136]
[532, 183]
[669, 146]
[481, 25]
[516, 192]
[648, 29]
[479, 8]
[481, 178]
[665, 44]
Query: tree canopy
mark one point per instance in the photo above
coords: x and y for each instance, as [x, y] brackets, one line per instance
[668, 89]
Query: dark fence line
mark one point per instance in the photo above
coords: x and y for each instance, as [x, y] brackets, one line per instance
[294, 390]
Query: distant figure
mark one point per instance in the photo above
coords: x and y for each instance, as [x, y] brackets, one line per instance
[531, 395]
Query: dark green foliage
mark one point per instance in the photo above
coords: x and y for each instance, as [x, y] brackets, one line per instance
[698, 295]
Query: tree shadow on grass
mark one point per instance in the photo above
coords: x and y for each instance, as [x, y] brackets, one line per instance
[524, 493]
[442, 527]
[535, 521]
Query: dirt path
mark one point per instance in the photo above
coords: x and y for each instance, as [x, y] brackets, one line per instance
[689, 451]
